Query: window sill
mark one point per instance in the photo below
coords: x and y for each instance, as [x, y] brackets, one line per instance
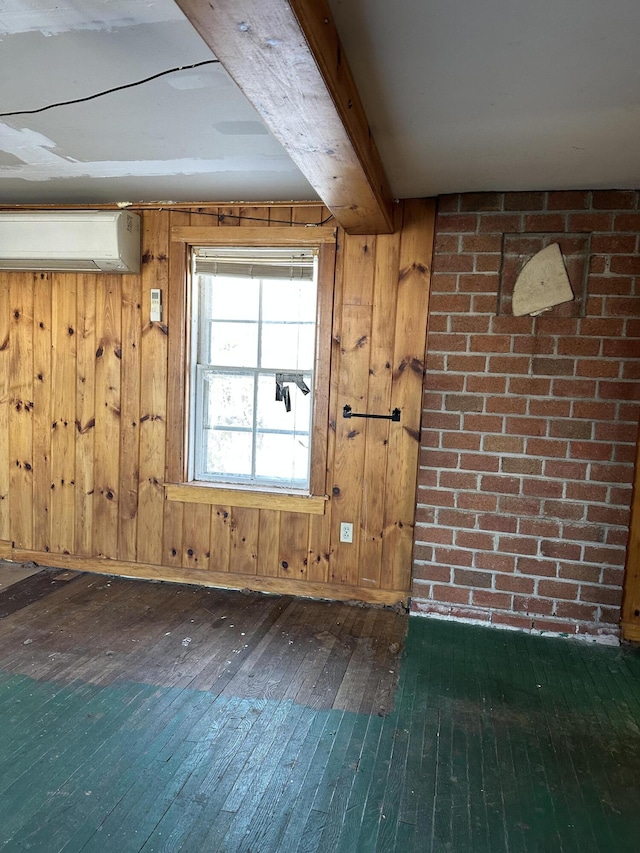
[196, 493]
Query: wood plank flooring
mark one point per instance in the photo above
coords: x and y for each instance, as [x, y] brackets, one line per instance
[151, 717]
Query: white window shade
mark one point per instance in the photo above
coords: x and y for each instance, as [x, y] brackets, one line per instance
[292, 264]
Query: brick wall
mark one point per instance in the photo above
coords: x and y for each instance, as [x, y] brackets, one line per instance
[529, 424]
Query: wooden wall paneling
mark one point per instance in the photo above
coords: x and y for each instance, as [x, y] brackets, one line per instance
[107, 429]
[293, 550]
[269, 542]
[379, 400]
[5, 410]
[42, 420]
[86, 347]
[130, 417]
[220, 538]
[353, 375]
[408, 373]
[21, 402]
[176, 355]
[63, 412]
[153, 392]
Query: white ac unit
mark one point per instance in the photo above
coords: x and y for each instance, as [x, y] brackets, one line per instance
[76, 241]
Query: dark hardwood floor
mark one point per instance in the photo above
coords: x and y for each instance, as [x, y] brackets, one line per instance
[153, 717]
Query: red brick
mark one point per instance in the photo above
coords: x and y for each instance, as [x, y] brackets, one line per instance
[479, 283]
[439, 459]
[568, 200]
[509, 325]
[578, 346]
[614, 576]
[456, 222]
[627, 222]
[558, 589]
[509, 364]
[550, 408]
[495, 562]
[524, 201]
[584, 532]
[498, 523]
[565, 470]
[451, 593]
[488, 598]
[478, 502]
[548, 222]
[598, 368]
[533, 346]
[601, 327]
[503, 444]
[484, 304]
[591, 450]
[486, 384]
[479, 462]
[590, 222]
[597, 266]
[579, 572]
[535, 567]
[560, 550]
[553, 366]
[631, 370]
[436, 536]
[556, 627]
[570, 429]
[619, 390]
[501, 223]
[622, 306]
[518, 545]
[507, 405]
[439, 323]
[610, 615]
[608, 515]
[594, 306]
[608, 285]
[453, 557]
[587, 492]
[530, 386]
[446, 343]
[446, 243]
[488, 263]
[601, 595]
[425, 515]
[515, 583]
[474, 539]
[490, 343]
[500, 485]
[619, 496]
[463, 403]
[467, 363]
[432, 400]
[542, 488]
[483, 423]
[454, 518]
[482, 243]
[526, 426]
[436, 497]
[617, 536]
[532, 604]
[458, 480]
[594, 411]
[469, 613]
[547, 447]
[613, 199]
[577, 612]
[441, 574]
[481, 201]
[465, 577]
[612, 244]
[516, 505]
[538, 527]
[556, 326]
[470, 324]
[443, 382]
[509, 621]
[453, 263]
[521, 466]
[624, 453]
[460, 441]
[448, 203]
[564, 509]
[574, 388]
[449, 303]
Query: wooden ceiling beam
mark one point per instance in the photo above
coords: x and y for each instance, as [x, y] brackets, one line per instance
[286, 57]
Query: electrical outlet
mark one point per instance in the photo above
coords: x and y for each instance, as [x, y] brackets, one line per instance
[156, 305]
[346, 531]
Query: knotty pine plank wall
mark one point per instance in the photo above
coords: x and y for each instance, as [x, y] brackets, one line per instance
[84, 380]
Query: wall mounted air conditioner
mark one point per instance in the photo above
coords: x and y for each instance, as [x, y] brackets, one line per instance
[76, 241]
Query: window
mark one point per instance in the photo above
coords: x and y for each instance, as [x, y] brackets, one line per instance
[254, 322]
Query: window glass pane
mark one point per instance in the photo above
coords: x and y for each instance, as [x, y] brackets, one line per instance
[272, 414]
[233, 298]
[289, 300]
[227, 453]
[234, 344]
[287, 347]
[283, 457]
[228, 400]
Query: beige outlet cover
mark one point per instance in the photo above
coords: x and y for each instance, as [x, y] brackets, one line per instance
[542, 283]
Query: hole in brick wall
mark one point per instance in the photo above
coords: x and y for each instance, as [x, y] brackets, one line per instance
[518, 249]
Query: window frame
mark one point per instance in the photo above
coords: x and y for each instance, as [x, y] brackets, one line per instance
[178, 486]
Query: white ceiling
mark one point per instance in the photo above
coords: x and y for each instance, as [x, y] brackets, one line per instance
[460, 95]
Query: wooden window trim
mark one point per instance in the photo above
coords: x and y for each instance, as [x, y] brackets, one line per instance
[177, 486]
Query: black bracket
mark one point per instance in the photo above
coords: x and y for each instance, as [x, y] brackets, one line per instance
[394, 416]
[282, 390]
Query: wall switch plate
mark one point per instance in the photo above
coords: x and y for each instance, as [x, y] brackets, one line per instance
[156, 305]
[346, 531]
